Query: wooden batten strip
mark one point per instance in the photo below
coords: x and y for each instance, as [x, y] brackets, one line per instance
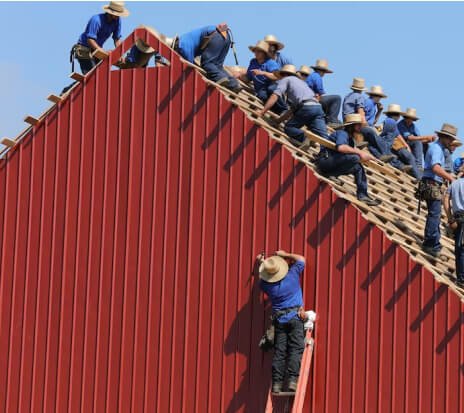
[31, 120]
[77, 76]
[54, 98]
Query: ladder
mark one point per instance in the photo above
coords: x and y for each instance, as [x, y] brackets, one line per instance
[289, 402]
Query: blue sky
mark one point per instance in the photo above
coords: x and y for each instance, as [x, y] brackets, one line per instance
[414, 50]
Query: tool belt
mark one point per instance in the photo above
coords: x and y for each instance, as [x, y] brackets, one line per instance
[429, 190]
[82, 52]
[279, 313]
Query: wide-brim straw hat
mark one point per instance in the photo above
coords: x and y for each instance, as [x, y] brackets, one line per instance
[143, 47]
[448, 131]
[304, 70]
[271, 39]
[273, 269]
[376, 91]
[116, 8]
[286, 69]
[456, 143]
[323, 65]
[393, 109]
[352, 119]
[262, 46]
[411, 113]
[358, 84]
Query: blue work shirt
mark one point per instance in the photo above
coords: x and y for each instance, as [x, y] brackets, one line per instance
[261, 82]
[100, 29]
[352, 102]
[134, 53]
[189, 43]
[296, 90]
[370, 109]
[435, 155]
[407, 131]
[314, 81]
[281, 60]
[456, 191]
[390, 131]
[286, 293]
[458, 162]
[340, 137]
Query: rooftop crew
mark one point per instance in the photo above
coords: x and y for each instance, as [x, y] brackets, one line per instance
[274, 50]
[304, 107]
[211, 44]
[346, 159]
[282, 286]
[139, 55]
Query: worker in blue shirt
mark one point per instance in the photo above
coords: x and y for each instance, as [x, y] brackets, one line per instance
[261, 72]
[99, 28]
[458, 163]
[449, 164]
[211, 43]
[330, 103]
[394, 142]
[274, 50]
[139, 55]
[282, 285]
[453, 204]
[304, 107]
[409, 131]
[372, 106]
[430, 187]
[346, 159]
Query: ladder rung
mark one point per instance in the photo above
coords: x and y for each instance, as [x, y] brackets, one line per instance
[54, 98]
[77, 76]
[31, 120]
[99, 54]
[9, 142]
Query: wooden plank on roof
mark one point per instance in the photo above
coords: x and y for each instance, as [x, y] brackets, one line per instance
[54, 98]
[31, 120]
[77, 76]
[100, 54]
[9, 142]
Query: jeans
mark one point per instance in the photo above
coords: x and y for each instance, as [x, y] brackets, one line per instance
[265, 93]
[432, 225]
[337, 163]
[213, 56]
[408, 159]
[331, 105]
[459, 251]
[288, 350]
[377, 146]
[312, 116]
[417, 149]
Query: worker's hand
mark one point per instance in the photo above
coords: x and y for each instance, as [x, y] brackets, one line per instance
[281, 253]
[453, 225]
[430, 138]
[260, 113]
[302, 314]
[366, 156]
[257, 72]
[379, 107]
[222, 27]
[260, 258]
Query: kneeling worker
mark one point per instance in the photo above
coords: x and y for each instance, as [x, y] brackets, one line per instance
[346, 158]
[282, 286]
[304, 107]
[212, 44]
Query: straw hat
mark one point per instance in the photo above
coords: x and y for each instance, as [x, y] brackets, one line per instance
[116, 8]
[393, 109]
[411, 114]
[304, 70]
[169, 41]
[351, 119]
[322, 64]
[456, 143]
[261, 45]
[288, 69]
[376, 91]
[448, 131]
[358, 84]
[143, 47]
[273, 269]
[271, 39]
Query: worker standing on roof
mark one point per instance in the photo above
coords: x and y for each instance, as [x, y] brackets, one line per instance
[274, 50]
[346, 159]
[282, 286]
[211, 44]
[454, 208]
[430, 187]
[99, 28]
[261, 72]
[305, 110]
[411, 134]
[330, 103]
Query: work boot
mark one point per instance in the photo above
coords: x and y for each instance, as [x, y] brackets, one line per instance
[335, 125]
[387, 158]
[431, 251]
[277, 387]
[223, 82]
[459, 283]
[406, 168]
[369, 201]
[292, 385]
[362, 145]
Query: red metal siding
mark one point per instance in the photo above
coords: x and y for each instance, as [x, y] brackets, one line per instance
[129, 220]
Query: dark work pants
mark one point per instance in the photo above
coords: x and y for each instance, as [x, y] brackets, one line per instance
[288, 350]
[312, 116]
[417, 149]
[459, 252]
[432, 225]
[265, 93]
[345, 164]
[331, 105]
[408, 159]
[213, 56]
[376, 145]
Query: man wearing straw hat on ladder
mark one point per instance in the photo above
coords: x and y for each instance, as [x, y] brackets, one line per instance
[282, 286]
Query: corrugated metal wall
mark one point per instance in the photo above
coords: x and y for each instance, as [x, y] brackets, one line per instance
[129, 220]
